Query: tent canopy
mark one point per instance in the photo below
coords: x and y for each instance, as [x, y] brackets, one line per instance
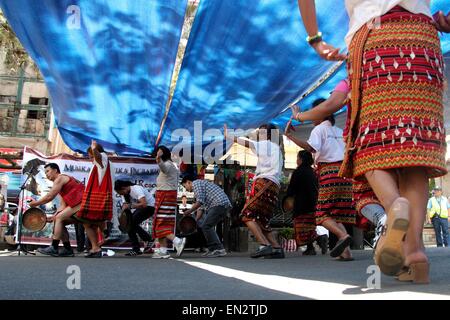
[108, 66]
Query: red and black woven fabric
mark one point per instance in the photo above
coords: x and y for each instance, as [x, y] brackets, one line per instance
[261, 203]
[335, 196]
[165, 213]
[72, 192]
[396, 72]
[97, 202]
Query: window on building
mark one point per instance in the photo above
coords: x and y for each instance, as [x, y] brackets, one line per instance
[7, 99]
[39, 101]
[36, 114]
[32, 114]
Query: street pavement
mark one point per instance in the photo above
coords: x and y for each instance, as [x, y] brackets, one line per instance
[233, 277]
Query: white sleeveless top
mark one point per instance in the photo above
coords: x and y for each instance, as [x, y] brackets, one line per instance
[361, 12]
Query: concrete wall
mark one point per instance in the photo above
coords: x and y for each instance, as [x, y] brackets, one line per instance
[40, 145]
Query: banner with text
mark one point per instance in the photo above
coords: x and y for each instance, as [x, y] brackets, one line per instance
[138, 170]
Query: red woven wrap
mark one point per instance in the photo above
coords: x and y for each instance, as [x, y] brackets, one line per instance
[97, 204]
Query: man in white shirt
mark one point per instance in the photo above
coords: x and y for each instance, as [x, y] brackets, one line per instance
[139, 204]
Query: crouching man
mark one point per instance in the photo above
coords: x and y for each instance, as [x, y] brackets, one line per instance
[215, 203]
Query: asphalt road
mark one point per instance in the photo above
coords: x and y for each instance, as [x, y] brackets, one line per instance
[234, 277]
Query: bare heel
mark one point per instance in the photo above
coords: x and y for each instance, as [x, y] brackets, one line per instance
[417, 273]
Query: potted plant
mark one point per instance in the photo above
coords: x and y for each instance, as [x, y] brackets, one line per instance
[288, 242]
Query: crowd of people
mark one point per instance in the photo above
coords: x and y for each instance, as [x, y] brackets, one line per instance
[377, 168]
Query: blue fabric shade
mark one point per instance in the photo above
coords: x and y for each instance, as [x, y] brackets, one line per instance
[246, 61]
[108, 65]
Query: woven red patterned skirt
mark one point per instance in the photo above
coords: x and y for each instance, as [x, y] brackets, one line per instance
[305, 229]
[261, 203]
[400, 121]
[97, 201]
[165, 213]
[335, 199]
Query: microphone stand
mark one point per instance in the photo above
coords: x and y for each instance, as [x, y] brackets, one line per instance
[20, 247]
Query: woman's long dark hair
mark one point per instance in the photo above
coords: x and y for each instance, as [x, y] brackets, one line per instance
[306, 156]
[167, 155]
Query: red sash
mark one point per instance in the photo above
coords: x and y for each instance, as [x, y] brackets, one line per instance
[97, 202]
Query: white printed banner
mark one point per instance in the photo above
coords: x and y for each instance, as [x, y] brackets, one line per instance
[138, 170]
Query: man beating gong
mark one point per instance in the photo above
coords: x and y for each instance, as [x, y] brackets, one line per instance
[70, 191]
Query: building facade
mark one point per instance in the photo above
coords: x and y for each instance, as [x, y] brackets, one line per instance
[26, 117]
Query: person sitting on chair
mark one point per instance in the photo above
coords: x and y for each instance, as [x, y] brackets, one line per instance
[70, 191]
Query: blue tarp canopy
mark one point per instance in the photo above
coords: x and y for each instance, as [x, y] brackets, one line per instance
[107, 65]
[109, 72]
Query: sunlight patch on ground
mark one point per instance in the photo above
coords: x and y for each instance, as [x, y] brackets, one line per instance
[314, 289]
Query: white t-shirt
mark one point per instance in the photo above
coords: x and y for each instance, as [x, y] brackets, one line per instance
[270, 160]
[361, 12]
[139, 192]
[321, 231]
[328, 142]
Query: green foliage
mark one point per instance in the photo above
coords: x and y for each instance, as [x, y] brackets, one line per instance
[15, 55]
[287, 233]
